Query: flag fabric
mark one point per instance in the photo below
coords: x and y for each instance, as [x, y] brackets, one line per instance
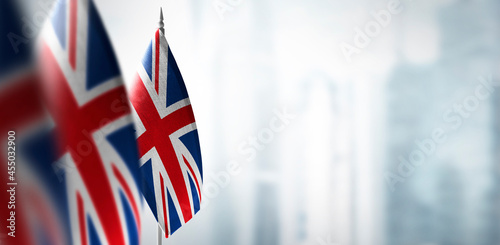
[95, 144]
[43, 198]
[167, 138]
[21, 108]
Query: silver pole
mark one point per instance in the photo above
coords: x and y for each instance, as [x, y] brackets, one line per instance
[160, 25]
[160, 234]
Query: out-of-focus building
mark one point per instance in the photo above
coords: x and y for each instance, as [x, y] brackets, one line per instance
[452, 198]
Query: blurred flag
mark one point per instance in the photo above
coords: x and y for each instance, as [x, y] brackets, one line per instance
[43, 197]
[167, 138]
[96, 148]
[20, 108]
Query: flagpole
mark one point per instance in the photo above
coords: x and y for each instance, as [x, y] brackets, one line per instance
[160, 24]
[160, 234]
[162, 30]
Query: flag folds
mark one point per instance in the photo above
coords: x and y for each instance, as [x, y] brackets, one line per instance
[167, 138]
[93, 130]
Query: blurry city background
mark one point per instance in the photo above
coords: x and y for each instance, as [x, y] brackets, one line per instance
[323, 179]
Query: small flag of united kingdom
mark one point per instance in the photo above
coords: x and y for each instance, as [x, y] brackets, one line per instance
[167, 138]
[92, 125]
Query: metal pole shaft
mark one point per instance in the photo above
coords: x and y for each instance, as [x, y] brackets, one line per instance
[160, 235]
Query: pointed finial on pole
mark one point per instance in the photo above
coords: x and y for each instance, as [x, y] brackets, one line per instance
[160, 24]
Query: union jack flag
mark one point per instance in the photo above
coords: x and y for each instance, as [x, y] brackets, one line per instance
[96, 148]
[21, 108]
[167, 138]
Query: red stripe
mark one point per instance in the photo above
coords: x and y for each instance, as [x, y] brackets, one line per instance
[194, 176]
[72, 32]
[164, 205]
[157, 62]
[81, 217]
[130, 197]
